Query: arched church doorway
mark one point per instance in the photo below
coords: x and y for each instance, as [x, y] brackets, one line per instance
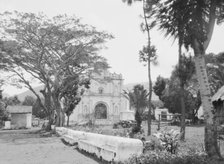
[101, 111]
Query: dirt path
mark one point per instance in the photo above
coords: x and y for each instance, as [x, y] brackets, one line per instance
[28, 147]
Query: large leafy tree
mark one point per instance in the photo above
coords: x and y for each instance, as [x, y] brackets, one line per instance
[50, 50]
[148, 52]
[171, 92]
[138, 100]
[199, 18]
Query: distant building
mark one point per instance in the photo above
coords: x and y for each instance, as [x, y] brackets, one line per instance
[21, 116]
[163, 114]
[103, 103]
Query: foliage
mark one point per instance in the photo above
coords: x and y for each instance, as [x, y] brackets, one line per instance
[144, 53]
[38, 111]
[193, 23]
[71, 93]
[12, 100]
[4, 115]
[125, 124]
[50, 51]
[170, 90]
[164, 157]
[145, 114]
[195, 18]
[169, 140]
[29, 101]
[160, 86]
[185, 70]
[137, 133]
[138, 99]
[171, 99]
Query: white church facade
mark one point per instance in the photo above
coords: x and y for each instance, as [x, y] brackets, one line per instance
[103, 102]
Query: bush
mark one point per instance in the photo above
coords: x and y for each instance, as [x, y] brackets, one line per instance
[164, 157]
[169, 140]
[137, 133]
[154, 144]
[124, 124]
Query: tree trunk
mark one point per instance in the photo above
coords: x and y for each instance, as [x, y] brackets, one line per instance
[210, 140]
[150, 97]
[50, 122]
[182, 127]
[60, 113]
[149, 120]
[138, 119]
[68, 120]
[60, 117]
[182, 102]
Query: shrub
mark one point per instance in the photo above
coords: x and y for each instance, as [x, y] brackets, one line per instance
[169, 140]
[164, 157]
[137, 132]
[153, 143]
[124, 124]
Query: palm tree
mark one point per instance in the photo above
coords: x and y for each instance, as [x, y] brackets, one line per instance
[199, 18]
[138, 99]
[148, 53]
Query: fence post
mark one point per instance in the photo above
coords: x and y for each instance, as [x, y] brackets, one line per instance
[159, 123]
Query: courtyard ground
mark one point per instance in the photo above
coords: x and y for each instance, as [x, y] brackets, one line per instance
[28, 147]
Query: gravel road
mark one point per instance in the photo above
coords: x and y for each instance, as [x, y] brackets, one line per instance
[28, 147]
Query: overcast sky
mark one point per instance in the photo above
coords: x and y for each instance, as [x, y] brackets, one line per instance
[123, 22]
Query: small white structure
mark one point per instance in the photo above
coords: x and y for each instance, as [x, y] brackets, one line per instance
[7, 125]
[21, 116]
[103, 102]
[163, 114]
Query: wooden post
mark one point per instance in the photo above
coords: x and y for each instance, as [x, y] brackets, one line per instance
[159, 123]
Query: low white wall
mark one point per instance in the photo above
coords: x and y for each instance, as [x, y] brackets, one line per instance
[123, 147]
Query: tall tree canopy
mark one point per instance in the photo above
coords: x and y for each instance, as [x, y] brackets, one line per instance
[51, 51]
